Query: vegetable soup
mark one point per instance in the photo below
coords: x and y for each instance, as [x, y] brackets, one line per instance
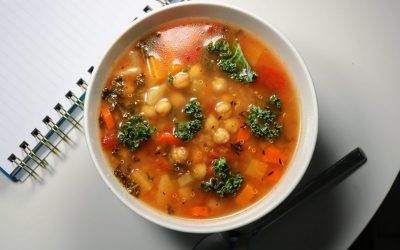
[199, 118]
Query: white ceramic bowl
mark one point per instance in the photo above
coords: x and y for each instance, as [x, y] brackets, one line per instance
[300, 76]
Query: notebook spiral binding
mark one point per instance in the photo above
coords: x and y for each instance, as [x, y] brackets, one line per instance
[58, 131]
[48, 143]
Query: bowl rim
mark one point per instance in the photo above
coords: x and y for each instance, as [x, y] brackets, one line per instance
[161, 219]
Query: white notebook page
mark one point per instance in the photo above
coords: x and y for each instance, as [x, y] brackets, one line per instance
[45, 47]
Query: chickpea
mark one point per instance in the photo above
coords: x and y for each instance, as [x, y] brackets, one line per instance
[211, 123]
[232, 125]
[228, 98]
[223, 109]
[219, 84]
[148, 111]
[177, 99]
[221, 136]
[179, 154]
[198, 85]
[199, 171]
[181, 80]
[195, 71]
[163, 106]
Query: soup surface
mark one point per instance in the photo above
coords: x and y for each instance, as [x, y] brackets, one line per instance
[199, 118]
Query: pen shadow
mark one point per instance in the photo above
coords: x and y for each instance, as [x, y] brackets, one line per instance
[309, 226]
[301, 224]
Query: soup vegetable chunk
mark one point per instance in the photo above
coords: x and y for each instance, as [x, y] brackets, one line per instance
[199, 118]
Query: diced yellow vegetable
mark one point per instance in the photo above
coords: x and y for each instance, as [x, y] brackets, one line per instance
[256, 169]
[184, 179]
[155, 93]
[143, 180]
[185, 194]
[165, 188]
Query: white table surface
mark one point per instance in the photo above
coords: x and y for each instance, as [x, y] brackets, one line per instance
[352, 50]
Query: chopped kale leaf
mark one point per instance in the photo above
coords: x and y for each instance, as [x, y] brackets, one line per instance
[234, 63]
[134, 131]
[186, 130]
[223, 182]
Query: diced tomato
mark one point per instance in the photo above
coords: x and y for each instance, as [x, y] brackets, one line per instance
[223, 150]
[163, 164]
[109, 141]
[164, 138]
[192, 55]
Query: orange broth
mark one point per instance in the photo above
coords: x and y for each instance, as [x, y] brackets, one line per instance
[166, 172]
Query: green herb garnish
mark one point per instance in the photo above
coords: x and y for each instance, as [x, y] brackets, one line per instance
[234, 63]
[134, 131]
[223, 182]
[112, 94]
[170, 79]
[186, 130]
[275, 101]
[262, 122]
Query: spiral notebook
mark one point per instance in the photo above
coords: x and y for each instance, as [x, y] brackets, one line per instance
[46, 55]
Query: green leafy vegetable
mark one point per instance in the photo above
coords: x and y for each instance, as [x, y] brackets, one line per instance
[262, 122]
[131, 186]
[134, 131]
[234, 63]
[112, 94]
[275, 101]
[223, 182]
[186, 130]
[170, 79]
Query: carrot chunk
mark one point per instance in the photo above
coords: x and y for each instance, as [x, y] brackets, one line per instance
[200, 211]
[245, 195]
[272, 78]
[155, 69]
[273, 155]
[243, 134]
[107, 117]
[273, 176]
[256, 169]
